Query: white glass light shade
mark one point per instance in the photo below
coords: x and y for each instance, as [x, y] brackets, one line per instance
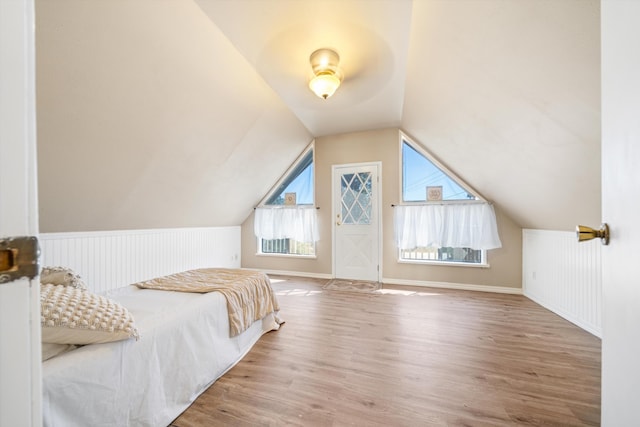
[324, 85]
[323, 60]
[324, 63]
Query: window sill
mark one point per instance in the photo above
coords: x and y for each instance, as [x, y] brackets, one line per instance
[287, 256]
[444, 263]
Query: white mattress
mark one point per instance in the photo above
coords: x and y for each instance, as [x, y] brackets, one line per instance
[184, 347]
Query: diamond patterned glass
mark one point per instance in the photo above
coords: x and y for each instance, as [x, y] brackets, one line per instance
[355, 190]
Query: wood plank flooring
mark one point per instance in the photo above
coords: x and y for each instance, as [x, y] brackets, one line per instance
[408, 357]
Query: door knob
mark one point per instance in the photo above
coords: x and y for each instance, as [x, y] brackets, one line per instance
[18, 258]
[584, 233]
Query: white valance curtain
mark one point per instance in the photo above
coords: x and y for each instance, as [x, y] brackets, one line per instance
[469, 225]
[297, 223]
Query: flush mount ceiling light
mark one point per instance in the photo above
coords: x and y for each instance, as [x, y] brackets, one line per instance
[327, 75]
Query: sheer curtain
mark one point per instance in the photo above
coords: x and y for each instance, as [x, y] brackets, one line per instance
[297, 223]
[470, 225]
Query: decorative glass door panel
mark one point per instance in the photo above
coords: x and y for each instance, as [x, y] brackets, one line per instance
[355, 190]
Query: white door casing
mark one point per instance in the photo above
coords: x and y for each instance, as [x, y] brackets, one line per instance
[20, 354]
[356, 221]
[620, 32]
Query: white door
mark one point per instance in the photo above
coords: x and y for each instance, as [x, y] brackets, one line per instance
[20, 357]
[356, 221]
[620, 31]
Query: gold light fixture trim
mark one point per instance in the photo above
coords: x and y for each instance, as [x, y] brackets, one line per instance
[327, 75]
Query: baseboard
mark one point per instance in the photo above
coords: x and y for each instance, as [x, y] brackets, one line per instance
[404, 282]
[295, 273]
[449, 285]
[592, 329]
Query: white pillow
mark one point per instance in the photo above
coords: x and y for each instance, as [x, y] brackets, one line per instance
[50, 350]
[61, 276]
[76, 316]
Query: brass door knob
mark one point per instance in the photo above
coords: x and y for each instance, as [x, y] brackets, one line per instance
[584, 233]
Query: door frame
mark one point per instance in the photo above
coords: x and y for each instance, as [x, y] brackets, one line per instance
[378, 195]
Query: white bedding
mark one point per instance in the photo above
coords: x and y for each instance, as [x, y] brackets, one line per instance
[184, 347]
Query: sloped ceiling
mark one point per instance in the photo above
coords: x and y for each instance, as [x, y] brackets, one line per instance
[507, 94]
[372, 39]
[182, 113]
[148, 117]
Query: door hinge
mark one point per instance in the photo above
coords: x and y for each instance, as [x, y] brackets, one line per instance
[18, 258]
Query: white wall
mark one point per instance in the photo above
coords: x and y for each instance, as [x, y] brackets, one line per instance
[564, 276]
[112, 259]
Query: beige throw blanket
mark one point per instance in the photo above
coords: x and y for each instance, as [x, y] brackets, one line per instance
[249, 294]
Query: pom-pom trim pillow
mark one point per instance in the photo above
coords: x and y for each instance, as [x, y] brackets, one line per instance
[75, 316]
[61, 276]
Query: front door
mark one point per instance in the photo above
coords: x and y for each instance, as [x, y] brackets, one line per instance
[356, 221]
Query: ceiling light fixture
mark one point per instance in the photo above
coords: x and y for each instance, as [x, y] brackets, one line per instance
[327, 75]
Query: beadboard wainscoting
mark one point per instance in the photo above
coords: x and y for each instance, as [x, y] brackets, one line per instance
[564, 276]
[112, 259]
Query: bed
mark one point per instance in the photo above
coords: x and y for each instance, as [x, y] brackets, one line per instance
[185, 343]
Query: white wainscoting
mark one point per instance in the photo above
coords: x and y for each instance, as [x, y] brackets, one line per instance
[564, 276]
[112, 259]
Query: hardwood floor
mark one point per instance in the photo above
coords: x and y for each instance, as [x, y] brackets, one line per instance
[408, 357]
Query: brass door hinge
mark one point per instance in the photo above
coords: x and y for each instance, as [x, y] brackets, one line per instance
[18, 258]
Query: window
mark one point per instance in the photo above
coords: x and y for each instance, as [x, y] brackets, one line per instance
[465, 255]
[299, 181]
[419, 174]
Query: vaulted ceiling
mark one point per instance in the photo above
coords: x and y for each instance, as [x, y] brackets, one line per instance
[184, 113]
